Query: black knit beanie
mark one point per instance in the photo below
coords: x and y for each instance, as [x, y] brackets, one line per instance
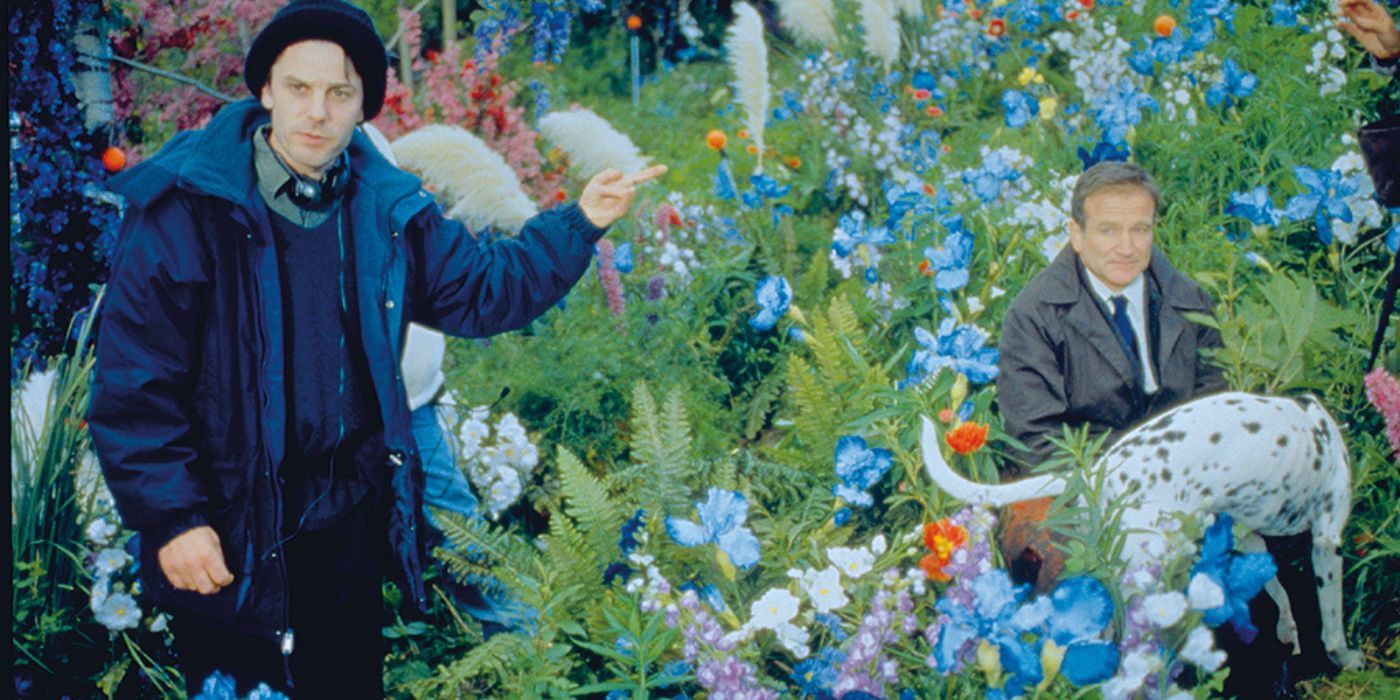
[331, 20]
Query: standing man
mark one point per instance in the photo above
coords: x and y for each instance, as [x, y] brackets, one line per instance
[248, 406]
[1100, 338]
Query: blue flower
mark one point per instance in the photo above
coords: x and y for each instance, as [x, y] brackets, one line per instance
[924, 80]
[623, 259]
[1325, 200]
[628, 541]
[1074, 617]
[616, 570]
[1121, 108]
[1020, 107]
[853, 230]
[989, 617]
[1103, 151]
[773, 295]
[859, 468]
[986, 180]
[221, 686]
[908, 201]
[722, 516]
[816, 674]
[1235, 84]
[790, 108]
[765, 188]
[1392, 237]
[951, 259]
[724, 181]
[1240, 577]
[1285, 14]
[959, 347]
[1254, 206]
[1223, 10]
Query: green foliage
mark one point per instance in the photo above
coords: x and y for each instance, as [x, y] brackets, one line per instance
[661, 452]
[837, 385]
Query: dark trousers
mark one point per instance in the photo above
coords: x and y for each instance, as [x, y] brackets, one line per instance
[336, 613]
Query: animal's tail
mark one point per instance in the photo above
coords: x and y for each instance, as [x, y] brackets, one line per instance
[989, 494]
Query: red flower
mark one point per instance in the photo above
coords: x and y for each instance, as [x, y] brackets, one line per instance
[934, 111]
[942, 538]
[922, 94]
[967, 438]
[925, 268]
[946, 415]
[997, 27]
[1087, 4]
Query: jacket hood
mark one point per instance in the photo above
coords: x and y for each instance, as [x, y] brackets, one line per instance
[218, 161]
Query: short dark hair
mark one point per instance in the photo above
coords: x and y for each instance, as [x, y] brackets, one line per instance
[1110, 173]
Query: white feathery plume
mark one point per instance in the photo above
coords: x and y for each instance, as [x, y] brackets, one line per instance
[881, 31]
[475, 181]
[912, 9]
[748, 58]
[592, 144]
[380, 141]
[810, 20]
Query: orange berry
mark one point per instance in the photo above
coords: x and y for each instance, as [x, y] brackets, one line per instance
[1163, 25]
[715, 139]
[113, 159]
[794, 162]
[634, 23]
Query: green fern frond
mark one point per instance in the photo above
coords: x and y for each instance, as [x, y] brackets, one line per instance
[590, 507]
[493, 657]
[816, 421]
[567, 551]
[476, 540]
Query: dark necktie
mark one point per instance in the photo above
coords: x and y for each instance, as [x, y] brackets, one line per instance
[1124, 326]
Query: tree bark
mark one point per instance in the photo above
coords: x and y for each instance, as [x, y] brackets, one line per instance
[92, 76]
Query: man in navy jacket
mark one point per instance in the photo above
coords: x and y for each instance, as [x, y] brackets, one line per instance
[247, 404]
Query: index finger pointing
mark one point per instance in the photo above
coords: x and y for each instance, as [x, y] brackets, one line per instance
[651, 173]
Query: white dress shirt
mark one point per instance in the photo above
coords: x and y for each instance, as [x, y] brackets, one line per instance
[1136, 293]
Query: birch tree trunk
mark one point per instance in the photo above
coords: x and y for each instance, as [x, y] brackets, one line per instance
[449, 25]
[92, 77]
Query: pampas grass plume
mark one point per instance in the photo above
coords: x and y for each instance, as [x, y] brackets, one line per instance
[881, 31]
[810, 20]
[592, 144]
[912, 9]
[748, 58]
[477, 184]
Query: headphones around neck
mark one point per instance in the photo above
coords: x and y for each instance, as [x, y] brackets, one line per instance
[310, 194]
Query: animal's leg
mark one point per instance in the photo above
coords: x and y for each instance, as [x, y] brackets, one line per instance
[1327, 567]
[1287, 629]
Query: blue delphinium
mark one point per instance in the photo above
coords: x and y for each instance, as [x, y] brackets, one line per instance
[724, 180]
[1235, 84]
[1103, 151]
[951, 260]
[1119, 109]
[1239, 576]
[1285, 14]
[1325, 200]
[773, 295]
[765, 189]
[1020, 108]
[959, 347]
[1254, 206]
[722, 516]
[858, 468]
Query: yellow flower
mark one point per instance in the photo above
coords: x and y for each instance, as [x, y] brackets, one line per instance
[1048, 105]
[1051, 656]
[1030, 75]
[989, 660]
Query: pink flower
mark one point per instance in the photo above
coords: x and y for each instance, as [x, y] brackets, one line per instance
[1383, 391]
[607, 274]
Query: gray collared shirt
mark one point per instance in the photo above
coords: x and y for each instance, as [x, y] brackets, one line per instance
[272, 184]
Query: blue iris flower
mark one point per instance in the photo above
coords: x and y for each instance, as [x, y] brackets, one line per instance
[1236, 84]
[1121, 108]
[1240, 576]
[951, 259]
[907, 201]
[1074, 616]
[959, 347]
[220, 686]
[724, 181]
[1392, 237]
[1020, 107]
[853, 230]
[790, 108]
[1103, 151]
[773, 295]
[986, 180]
[1325, 200]
[765, 188]
[990, 617]
[722, 516]
[1285, 13]
[1254, 206]
[1223, 10]
[623, 259]
[859, 468]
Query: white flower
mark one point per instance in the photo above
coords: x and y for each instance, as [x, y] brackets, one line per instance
[794, 638]
[100, 532]
[824, 589]
[111, 560]
[878, 545]
[1164, 609]
[160, 622]
[1200, 650]
[1135, 669]
[1204, 593]
[101, 588]
[119, 612]
[854, 562]
[776, 607]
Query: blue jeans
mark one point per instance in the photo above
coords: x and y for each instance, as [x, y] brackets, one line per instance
[445, 487]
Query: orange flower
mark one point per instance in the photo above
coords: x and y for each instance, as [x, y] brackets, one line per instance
[997, 27]
[742, 133]
[1087, 4]
[908, 89]
[974, 13]
[113, 159]
[934, 111]
[925, 268]
[560, 195]
[751, 149]
[946, 415]
[794, 162]
[1072, 15]
[922, 94]
[928, 189]
[715, 139]
[968, 437]
[1163, 25]
[634, 23]
[942, 538]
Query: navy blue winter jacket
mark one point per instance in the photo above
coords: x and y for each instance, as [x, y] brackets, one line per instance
[188, 414]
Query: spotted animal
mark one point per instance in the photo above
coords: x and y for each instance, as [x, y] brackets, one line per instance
[1278, 466]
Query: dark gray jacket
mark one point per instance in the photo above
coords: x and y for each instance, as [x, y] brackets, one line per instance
[1061, 362]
